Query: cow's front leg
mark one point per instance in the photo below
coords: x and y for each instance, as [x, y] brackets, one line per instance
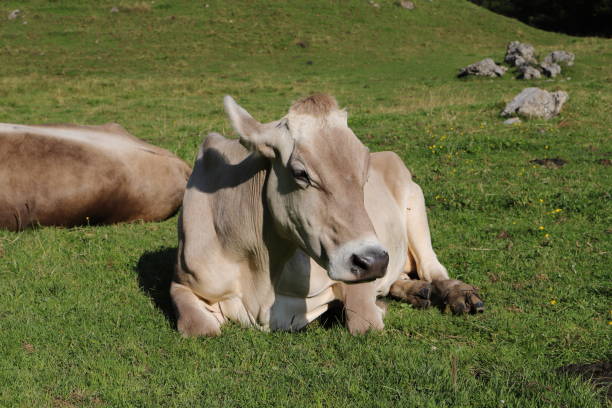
[414, 291]
[420, 250]
[360, 307]
[459, 296]
[193, 319]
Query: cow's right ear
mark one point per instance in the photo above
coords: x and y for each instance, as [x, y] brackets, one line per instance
[269, 141]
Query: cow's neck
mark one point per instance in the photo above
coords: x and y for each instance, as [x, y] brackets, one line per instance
[266, 250]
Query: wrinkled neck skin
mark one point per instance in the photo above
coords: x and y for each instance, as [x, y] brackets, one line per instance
[269, 247]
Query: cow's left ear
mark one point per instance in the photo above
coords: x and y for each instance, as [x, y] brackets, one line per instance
[270, 140]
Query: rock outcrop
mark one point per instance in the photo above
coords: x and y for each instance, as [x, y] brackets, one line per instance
[486, 67]
[536, 103]
[518, 53]
[528, 72]
[551, 69]
[14, 14]
[560, 57]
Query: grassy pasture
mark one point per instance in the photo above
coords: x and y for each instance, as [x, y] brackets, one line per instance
[84, 311]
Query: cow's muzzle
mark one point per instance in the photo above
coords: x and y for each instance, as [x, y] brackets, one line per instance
[369, 264]
[358, 261]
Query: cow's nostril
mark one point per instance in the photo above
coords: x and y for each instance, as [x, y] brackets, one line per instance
[372, 264]
[361, 262]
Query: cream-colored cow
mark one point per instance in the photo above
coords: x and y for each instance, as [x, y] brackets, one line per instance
[295, 215]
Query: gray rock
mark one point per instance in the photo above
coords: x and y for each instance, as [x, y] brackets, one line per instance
[519, 61]
[486, 67]
[518, 53]
[512, 121]
[528, 72]
[374, 4]
[560, 57]
[114, 10]
[408, 5]
[550, 69]
[536, 103]
[14, 14]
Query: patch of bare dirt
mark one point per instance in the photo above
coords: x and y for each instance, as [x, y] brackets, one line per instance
[599, 373]
[553, 163]
[503, 234]
[605, 162]
[28, 347]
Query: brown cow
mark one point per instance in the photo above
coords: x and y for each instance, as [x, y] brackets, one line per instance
[277, 226]
[68, 175]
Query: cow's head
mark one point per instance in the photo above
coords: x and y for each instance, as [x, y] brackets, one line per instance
[315, 189]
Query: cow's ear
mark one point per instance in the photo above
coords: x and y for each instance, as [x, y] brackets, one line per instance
[270, 140]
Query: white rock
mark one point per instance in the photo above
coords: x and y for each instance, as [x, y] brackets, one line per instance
[536, 103]
[486, 67]
[528, 72]
[14, 14]
[550, 69]
[560, 57]
[518, 53]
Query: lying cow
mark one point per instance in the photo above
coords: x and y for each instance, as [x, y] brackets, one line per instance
[68, 175]
[278, 225]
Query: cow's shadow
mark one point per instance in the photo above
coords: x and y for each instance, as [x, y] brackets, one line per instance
[155, 270]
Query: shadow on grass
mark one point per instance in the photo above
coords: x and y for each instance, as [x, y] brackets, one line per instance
[334, 316]
[155, 270]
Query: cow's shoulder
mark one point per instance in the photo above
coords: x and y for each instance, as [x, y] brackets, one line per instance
[390, 170]
[230, 150]
[388, 163]
[222, 154]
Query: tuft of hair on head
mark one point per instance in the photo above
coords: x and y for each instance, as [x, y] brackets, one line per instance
[316, 105]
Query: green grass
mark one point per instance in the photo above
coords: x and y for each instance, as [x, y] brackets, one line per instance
[82, 311]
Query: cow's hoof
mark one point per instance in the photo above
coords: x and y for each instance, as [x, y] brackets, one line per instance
[360, 321]
[460, 297]
[361, 325]
[415, 292]
[198, 327]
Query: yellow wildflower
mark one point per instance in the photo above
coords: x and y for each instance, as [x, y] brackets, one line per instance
[553, 302]
[541, 227]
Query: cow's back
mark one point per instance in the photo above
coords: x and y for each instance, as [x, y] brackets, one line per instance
[68, 175]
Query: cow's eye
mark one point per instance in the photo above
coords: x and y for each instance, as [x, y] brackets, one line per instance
[301, 176]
